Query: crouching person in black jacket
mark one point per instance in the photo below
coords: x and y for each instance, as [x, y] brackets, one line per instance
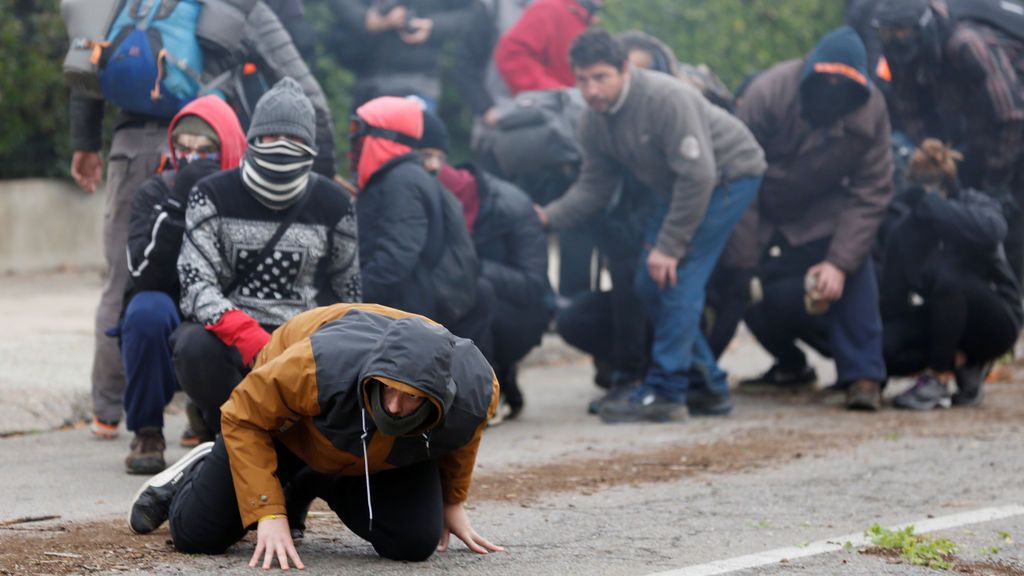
[415, 251]
[513, 251]
[950, 301]
[204, 137]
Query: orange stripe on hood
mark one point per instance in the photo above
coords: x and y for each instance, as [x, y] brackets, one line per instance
[842, 70]
[390, 113]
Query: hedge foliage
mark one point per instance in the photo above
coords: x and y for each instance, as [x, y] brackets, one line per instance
[734, 37]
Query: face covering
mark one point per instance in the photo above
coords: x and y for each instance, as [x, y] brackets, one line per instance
[396, 425]
[823, 103]
[277, 172]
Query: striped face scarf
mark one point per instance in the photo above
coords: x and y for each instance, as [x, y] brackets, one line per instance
[277, 172]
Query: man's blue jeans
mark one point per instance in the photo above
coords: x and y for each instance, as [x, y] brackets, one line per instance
[146, 330]
[676, 310]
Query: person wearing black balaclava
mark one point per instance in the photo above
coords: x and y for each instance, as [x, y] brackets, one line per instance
[825, 132]
[959, 80]
[240, 278]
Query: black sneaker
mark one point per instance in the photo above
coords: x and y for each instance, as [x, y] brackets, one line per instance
[775, 376]
[864, 395]
[704, 402]
[513, 395]
[970, 384]
[147, 452]
[643, 405]
[152, 503]
[926, 394]
[616, 393]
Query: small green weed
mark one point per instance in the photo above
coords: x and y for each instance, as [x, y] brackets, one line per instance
[1005, 537]
[916, 549]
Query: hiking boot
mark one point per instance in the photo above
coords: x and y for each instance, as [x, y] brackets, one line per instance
[104, 429]
[776, 376]
[704, 402]
[926, 394]
[864, 395]
[970, 384]
[643, 405]
[147, 452]
[152, 503]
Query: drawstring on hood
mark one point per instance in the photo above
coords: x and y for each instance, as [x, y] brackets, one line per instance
[366, 468]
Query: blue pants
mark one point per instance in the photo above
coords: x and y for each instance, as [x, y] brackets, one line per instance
[850, 332]
[676, 310]
[150, 383]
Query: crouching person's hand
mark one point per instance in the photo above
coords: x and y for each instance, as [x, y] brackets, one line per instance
[274, 539]
[456, 522]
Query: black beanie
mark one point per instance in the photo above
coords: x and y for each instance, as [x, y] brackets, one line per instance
[435, 135]
[900, 13]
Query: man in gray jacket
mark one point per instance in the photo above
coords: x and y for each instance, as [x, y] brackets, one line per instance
[706, 167]
[139, 143]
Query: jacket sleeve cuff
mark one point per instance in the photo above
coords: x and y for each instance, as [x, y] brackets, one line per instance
[670, 249]
[86, 123]
[252, 514]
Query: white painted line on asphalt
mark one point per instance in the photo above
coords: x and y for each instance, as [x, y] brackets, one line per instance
[837, 543]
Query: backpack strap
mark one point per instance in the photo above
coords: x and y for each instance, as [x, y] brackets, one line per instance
[250, 267]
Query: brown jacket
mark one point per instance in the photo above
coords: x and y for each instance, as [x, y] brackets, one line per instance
[829, 182]
[306, 391]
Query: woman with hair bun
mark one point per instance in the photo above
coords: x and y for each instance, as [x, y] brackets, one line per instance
[950, 302]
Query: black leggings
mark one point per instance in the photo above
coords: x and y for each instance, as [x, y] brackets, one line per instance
[407, 507]
[961, 314]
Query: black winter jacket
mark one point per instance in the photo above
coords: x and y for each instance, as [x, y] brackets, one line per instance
[268, 44]
[154, 236]
[925, 232]
[401, 231]
[511, 243]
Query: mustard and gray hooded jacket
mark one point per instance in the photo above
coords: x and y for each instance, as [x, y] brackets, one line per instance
[307, 391]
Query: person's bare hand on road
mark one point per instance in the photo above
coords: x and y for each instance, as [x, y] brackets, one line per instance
[274, 540]
[87, 169]
[456, 522]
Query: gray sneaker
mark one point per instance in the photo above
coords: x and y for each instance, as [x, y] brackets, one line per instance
[926, 394]
[152, 503]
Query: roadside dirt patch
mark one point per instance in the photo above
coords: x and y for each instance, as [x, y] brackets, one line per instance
[960, 565]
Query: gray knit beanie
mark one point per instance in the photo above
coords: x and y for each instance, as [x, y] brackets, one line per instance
[284, 109]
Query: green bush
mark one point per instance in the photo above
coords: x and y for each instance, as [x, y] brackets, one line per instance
[734, 37]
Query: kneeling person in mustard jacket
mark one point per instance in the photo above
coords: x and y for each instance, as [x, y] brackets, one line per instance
[377, 411]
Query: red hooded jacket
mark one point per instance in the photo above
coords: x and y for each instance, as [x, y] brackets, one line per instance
[390, 113]
[534, 54]
[219, 115]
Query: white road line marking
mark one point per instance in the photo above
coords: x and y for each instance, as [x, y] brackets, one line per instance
[835, 544]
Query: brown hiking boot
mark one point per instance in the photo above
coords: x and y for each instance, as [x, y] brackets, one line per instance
[147, 455]
[864, 395]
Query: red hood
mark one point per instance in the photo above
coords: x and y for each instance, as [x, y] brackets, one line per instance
[390, 113]
[462, 184]
[222, 118]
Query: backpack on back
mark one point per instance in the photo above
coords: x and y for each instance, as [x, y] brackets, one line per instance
[1006, 16]
[455, 273]
[151, 62]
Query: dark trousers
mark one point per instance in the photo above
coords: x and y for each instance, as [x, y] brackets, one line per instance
[575, 258]
[150, 383]
[207, 369]
[515, 332]
[850, 332]
[407, 505]
[962, 313]
[476, 325]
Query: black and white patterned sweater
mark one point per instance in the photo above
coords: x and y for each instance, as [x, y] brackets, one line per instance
[315, 263]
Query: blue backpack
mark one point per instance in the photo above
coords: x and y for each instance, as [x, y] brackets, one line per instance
[151, 63]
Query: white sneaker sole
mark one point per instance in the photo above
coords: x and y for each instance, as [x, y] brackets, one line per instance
[169, 475]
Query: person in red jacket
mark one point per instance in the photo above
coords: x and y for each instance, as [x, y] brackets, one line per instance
[534, 54]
